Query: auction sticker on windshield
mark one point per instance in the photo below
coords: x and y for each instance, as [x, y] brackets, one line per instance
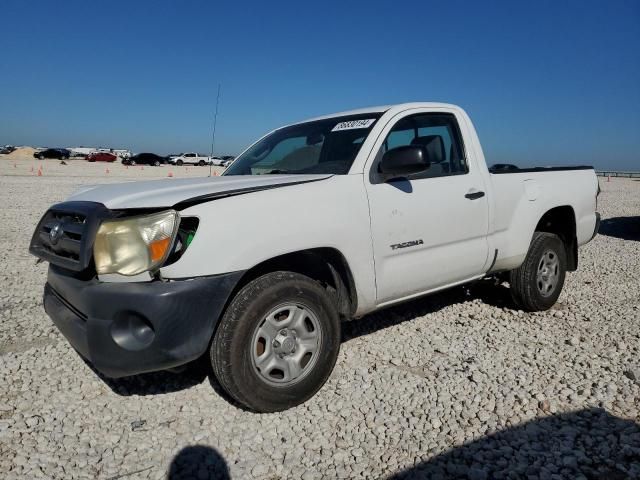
[350, 125]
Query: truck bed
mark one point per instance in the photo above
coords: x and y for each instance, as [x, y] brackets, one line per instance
[502, 168]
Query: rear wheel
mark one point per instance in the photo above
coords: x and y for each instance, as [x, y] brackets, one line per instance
[132, 162]
[201, 163]
[41, 157]
[179, 163]
[156, 163]
[277, 343]
[537, 283]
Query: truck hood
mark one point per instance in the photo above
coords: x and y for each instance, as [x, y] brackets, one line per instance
[183, 192]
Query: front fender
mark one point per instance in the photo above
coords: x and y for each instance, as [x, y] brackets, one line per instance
[236, 233]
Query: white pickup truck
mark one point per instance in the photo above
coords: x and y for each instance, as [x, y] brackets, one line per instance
[322, 221]
[191, 158]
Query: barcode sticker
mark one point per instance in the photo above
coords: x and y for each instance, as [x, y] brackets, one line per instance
[352, 124]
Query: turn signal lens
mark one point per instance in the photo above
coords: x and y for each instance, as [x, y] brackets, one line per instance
[159, 248]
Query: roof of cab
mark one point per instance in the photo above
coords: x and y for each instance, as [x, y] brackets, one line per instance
[382, 109]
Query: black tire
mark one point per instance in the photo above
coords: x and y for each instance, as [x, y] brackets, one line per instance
[41, 157]
[179, 163]
[527, 290]
[156, 163]
[201, 163]
[231, 349]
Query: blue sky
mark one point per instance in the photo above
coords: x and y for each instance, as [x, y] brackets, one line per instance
[546, 82]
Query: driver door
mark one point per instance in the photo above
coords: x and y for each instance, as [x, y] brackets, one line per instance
[429, 229]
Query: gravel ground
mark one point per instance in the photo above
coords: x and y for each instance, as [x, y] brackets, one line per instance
[456, 385]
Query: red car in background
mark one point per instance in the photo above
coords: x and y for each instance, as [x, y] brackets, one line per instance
[101, 157]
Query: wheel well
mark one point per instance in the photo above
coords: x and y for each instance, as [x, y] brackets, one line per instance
[326, 265]
[562, 222]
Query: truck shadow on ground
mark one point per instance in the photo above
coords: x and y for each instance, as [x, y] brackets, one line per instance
[590, 443]
[156, 383]
[198, 461]
[485, 290]
[625, 228]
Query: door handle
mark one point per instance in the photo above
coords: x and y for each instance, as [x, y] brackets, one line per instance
[474, 195]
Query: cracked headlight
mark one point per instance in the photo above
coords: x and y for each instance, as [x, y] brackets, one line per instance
[133, 245]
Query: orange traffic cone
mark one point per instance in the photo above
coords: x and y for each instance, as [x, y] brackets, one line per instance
[39, 172]
[170, 174]
[141, 168]
[608, 178]
[106, 171]
[31, 168]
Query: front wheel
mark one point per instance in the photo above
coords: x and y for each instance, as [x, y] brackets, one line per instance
[179, 163]
[201, 163]
[537, 283]
[277, 342]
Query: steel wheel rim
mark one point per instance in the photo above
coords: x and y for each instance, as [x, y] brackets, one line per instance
[548, 273]
[285, 345]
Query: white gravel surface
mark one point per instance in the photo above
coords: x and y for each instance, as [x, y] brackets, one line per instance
[457, 385]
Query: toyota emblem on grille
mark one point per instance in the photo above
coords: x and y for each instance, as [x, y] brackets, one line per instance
[55, 233]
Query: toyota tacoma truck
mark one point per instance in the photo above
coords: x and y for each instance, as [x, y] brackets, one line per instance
[322, 221]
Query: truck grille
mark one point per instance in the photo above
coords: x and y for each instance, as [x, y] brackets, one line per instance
[64, 236]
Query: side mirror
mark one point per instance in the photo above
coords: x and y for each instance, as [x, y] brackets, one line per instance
[402, 161]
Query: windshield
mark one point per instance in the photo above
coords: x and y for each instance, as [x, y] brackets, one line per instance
[326, 146]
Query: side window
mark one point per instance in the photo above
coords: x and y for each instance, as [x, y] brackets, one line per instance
[439, 133]
[399, 137]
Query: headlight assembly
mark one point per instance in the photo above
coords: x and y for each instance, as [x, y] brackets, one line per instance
[133, 245]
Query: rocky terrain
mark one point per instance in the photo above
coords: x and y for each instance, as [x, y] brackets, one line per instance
[456, 385]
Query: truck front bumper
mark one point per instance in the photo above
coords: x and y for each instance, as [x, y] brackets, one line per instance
[130, 328]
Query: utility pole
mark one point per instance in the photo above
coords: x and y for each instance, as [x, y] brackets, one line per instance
[213, 134]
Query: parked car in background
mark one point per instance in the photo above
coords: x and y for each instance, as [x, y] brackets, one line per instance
[227, 162]
[81, 152]
[101, 157]
[145, 159]
[58, 153]
[190, 159]
[122, 153]
[222, 160]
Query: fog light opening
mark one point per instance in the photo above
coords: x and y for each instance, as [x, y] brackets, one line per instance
[132, 331]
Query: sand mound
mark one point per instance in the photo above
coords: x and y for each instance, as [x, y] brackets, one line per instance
[19, 152]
